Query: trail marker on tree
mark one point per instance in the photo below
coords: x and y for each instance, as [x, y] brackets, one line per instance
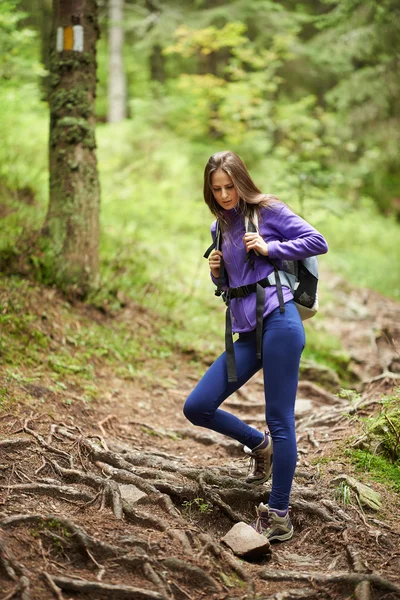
[71, 230]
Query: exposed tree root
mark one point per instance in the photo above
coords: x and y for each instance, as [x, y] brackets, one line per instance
[63, 492]
[89, 544]
[45, 445]
[106, 590]
[314, 509]
[167, 482]
[54, 588]
[363, 591]
[195, 574]
[295, 594]
[15, 443]
[221, 553]
[84, 540]
[332, 578]
[15, 571]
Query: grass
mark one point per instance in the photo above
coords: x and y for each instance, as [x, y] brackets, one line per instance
[155, 228]
[379, 468]
[378, 449]
[44, 336]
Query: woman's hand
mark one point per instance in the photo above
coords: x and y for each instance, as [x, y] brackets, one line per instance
[215, 262]
[254, 241]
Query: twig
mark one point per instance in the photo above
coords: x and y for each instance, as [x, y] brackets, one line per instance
[104, 421]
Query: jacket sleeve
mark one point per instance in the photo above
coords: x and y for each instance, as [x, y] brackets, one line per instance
[299, 239]
[215, 279]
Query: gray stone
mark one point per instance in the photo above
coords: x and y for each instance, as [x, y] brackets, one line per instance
[303, 406]
[324, 376]
[244, 541]
[131, 495]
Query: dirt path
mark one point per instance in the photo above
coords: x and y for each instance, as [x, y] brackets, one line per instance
[126, 500]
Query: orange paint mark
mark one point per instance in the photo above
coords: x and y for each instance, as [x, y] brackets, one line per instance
[68, 38]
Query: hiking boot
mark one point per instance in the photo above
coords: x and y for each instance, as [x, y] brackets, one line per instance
[273, 523]
[260, 461]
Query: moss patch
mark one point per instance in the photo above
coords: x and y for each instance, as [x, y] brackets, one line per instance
[378, 467]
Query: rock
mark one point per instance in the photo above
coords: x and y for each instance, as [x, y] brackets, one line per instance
[308, 389]
[323, 376]
[367, 496]
[131, 495]
[302, 406]
[244, 541]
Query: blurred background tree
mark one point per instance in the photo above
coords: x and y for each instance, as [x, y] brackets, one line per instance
[306, 92]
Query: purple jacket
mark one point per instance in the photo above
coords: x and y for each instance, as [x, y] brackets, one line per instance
[288, 236]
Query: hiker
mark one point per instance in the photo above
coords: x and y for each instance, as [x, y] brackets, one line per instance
[241, 266]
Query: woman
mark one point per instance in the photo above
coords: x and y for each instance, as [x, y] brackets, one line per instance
[245, 258]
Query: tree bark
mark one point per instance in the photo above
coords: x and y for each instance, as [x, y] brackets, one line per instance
[116, 78]
[157, 64]
[71, 230]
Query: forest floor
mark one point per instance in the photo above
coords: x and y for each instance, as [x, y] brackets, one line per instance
[118, 496]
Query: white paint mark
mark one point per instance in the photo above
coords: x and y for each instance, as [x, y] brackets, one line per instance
[60, 39]
[78, 38]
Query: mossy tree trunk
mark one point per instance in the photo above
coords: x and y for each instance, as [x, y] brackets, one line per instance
[71, 230]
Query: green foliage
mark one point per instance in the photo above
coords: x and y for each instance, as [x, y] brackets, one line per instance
[52, 341]
[364, 248]
[197, 504]
[377, 449]
[343, 493]
[381, 431]
[378, 467]
[16, 43]
[358, 50]
[234, 102]
[259, 78]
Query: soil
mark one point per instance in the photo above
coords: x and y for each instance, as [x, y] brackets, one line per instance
[66, 532]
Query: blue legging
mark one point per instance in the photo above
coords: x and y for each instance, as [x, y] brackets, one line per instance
[283, 343]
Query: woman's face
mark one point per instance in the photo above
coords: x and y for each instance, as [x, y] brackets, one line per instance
[223, 189]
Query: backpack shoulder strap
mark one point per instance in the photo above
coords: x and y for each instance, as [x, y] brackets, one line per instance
[251, 226]
[251, 223]
[216, 243]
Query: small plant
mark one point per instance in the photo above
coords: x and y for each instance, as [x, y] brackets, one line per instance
[343, 493]
[350, 395]
[381, 432]
[198, 504]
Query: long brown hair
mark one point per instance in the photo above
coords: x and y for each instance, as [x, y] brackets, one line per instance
[251, 198]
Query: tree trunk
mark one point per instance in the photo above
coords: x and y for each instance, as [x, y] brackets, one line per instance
[71, 230]
[157, 66]
[116, 78]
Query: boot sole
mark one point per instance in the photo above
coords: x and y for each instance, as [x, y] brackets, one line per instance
[284, 537]
[262, 480]
[258, 481]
